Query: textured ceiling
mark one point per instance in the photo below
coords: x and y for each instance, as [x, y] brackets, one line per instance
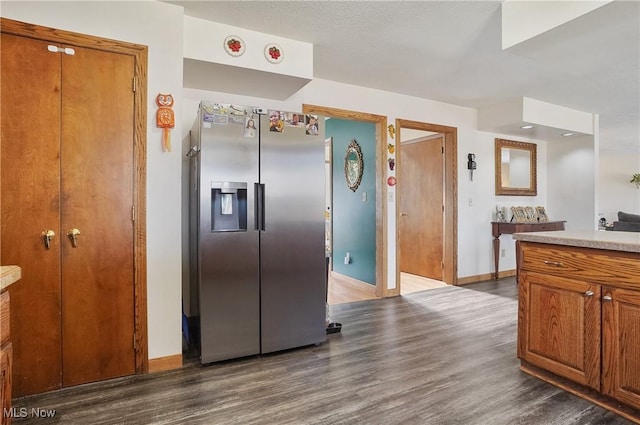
[451, 51]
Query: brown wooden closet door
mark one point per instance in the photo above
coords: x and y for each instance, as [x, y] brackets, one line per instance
[421, 216]
[30, 204]
[97, 199]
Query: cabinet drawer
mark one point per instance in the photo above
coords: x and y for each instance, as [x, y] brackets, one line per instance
[5, 324]
[611, 268]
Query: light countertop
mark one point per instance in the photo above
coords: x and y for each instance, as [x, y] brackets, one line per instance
[9, 275]
[598, 239]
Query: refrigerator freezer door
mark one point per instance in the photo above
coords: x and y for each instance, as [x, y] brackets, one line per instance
[228, 251]
[293, 292]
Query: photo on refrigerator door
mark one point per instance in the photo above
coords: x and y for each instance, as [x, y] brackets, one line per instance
[292, 119]
[276, 122]
[250, 129]
[311, 123]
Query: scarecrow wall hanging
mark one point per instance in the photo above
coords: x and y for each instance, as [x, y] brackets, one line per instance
[165, 119]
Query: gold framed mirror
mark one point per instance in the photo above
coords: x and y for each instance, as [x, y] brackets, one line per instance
[353, 165]
[516, 164]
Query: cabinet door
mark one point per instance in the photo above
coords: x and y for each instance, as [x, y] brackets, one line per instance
[97, 199]
[30, 104]
[621, 345]
[5, 383]
[559, 326]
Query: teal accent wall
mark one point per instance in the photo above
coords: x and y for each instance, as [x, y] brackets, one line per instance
[354, 221]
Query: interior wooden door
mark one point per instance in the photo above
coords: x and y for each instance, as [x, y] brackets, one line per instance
[30, 164]
[421, 200]
[68, 162]
[97, 200]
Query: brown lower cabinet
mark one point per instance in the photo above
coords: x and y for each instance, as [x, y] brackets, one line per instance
[579, 322]
[6, 357]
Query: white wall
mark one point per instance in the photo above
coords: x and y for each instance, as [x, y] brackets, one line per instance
[475, 249]
[572, 182]
[159, 26]
[616, 192]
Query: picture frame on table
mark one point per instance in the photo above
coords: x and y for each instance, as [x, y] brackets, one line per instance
[518, 214]
[530, 214]
[542, 214]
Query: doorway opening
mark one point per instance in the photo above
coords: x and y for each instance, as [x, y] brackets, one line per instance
[380, 123]
[426, 207]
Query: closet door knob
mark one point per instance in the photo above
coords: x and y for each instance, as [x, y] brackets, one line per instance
[73, 236]
[46, 237]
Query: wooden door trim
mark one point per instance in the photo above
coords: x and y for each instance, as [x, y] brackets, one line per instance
[450, 273]
[380, 122]
[140, 54]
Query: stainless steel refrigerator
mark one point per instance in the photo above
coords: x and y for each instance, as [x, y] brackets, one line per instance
[257, 231]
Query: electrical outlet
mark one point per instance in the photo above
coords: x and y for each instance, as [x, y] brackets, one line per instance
[364, 196]
[470, 202]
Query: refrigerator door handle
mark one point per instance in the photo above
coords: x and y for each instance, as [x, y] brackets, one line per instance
[259, 213]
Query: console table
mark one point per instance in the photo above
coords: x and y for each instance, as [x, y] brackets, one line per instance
[508, 227]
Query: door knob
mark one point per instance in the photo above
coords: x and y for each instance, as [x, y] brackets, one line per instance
[73, 235]
[46, 236]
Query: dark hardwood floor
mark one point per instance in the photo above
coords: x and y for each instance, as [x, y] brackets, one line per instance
[443, 356]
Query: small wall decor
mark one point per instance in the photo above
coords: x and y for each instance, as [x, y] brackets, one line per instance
[353, 165]
[234, 45]
[165, 119]
[392, 131]
[391, 148]
[273, 52]
[392, 163]
[516, 171]
[391, 181]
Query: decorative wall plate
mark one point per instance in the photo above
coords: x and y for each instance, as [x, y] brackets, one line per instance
[273, 52]
[234, 45]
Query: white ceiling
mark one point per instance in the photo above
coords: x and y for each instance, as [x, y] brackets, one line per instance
[450, 51]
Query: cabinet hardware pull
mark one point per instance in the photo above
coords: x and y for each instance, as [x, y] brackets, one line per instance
[553, 263]
[607, 298]
[588, 294]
